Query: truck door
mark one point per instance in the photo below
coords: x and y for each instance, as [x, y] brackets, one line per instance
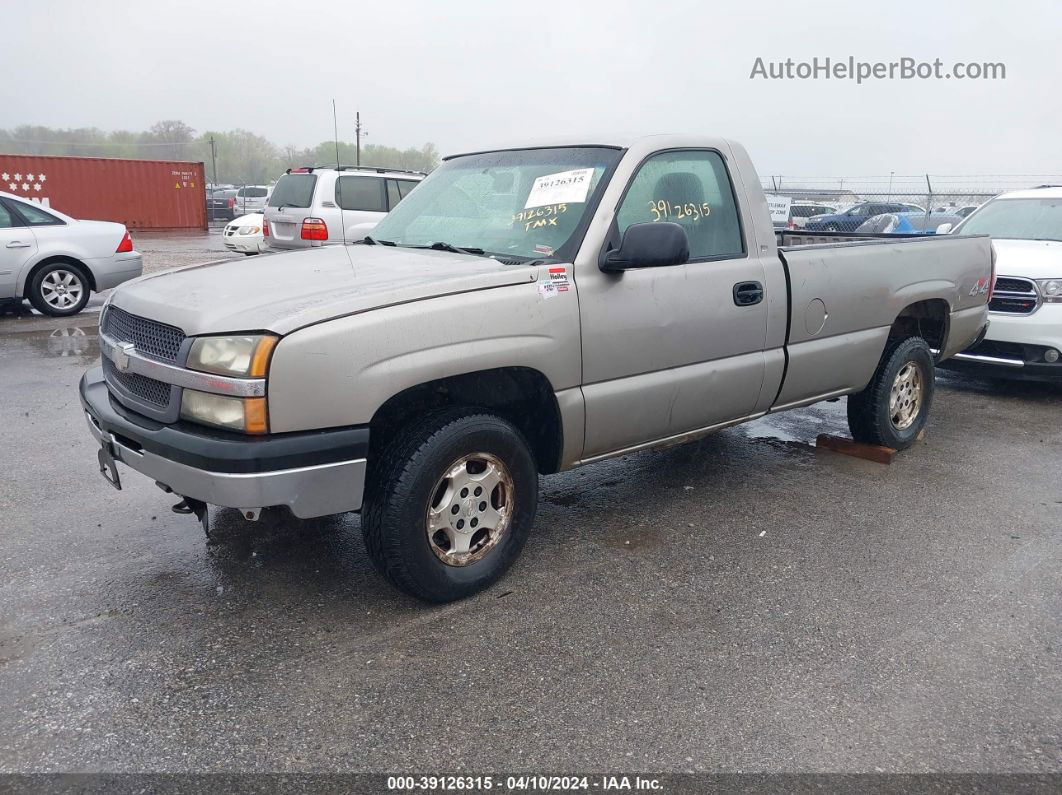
[17, 245]
[670, 350]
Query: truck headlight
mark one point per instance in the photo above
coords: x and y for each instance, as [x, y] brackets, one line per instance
[1051, 290]
[246, 415]
[241, 356]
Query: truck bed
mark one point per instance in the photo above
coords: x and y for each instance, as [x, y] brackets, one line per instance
[846, 291]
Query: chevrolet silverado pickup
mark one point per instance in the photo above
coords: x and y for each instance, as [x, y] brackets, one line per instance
[524, 311]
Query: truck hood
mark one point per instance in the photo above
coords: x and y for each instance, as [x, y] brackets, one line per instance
[284, 292]
[1033, 259]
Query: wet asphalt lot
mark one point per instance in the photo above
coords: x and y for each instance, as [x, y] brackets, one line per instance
[745, 603]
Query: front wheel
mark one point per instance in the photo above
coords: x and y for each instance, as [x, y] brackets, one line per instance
[894, 407]
[59, 289]
[449, 504]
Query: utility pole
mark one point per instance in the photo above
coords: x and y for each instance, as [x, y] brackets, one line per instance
[357, 137]
[890, 184]
[214, 160]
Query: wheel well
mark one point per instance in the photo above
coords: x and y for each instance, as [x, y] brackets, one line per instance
[51, 260]
[520, 395]
[926, 319]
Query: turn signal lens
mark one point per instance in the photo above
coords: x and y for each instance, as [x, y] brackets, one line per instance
[246, 415]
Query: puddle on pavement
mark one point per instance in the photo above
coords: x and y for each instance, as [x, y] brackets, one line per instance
[77, 342]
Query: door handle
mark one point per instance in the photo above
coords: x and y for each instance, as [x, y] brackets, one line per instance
[18, 244]
[748, 293]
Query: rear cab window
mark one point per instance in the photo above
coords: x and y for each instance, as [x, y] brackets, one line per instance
[293, 190]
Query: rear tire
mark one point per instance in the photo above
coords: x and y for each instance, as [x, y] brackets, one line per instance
[894, 407]
[449, 504]
[60, 289]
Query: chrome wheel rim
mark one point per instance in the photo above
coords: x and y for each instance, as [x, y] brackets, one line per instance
[470, 509]
[62, 289]
[905, 399]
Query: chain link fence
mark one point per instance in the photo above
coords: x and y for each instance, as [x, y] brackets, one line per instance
[926, 200]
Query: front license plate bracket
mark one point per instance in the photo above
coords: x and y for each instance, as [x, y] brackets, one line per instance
[108, 466]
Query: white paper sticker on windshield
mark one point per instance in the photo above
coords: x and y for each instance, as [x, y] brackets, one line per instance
[568, 186]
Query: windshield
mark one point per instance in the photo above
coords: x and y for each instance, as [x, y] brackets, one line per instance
[293, 190]
[520, 203]
[1017, 219]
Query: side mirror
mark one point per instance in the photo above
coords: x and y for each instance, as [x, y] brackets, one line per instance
[649, 245]
[943, 229]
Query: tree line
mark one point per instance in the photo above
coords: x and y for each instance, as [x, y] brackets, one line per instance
[242, 157]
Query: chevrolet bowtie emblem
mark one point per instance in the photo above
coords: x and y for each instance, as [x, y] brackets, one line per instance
[121, 355]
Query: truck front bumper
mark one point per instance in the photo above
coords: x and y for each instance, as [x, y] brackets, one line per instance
[314, 473]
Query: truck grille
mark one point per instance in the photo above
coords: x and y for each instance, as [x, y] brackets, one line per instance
[1015, 296]
[147, 389]
[151, 338]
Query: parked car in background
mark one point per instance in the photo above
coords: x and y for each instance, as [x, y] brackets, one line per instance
[523, 312]
[251, 199]
[850, 219]
[244, 234]
[1024, 338]
[800, 212]
[323, 206]
[221, 204]
[56, 261]
[912, 223]
[962, 212]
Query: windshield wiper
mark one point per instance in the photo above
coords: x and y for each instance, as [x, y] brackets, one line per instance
[454, 249]
[282, 205]
[369, 240]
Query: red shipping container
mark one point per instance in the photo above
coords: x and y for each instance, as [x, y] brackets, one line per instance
[142, 194]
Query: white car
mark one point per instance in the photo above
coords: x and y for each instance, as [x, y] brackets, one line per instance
[56, 261]
[1024, 338]
[324, 206]
[252, 199]
[244, 234]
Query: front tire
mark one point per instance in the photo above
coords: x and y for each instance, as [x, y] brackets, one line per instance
[894, 407]
[60, 289]
[449, 504]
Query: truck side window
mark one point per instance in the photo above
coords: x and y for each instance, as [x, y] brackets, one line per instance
[690, 188]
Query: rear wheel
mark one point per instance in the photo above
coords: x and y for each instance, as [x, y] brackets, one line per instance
[59, 289]
[833, 228]
[894, 407]
[449, 504]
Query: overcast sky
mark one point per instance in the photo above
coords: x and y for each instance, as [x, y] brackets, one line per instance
[466, 74]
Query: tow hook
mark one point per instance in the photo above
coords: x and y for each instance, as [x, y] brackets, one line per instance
[191, 505]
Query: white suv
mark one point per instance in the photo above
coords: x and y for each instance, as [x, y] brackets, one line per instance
[324, 206]
[1024, 338]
